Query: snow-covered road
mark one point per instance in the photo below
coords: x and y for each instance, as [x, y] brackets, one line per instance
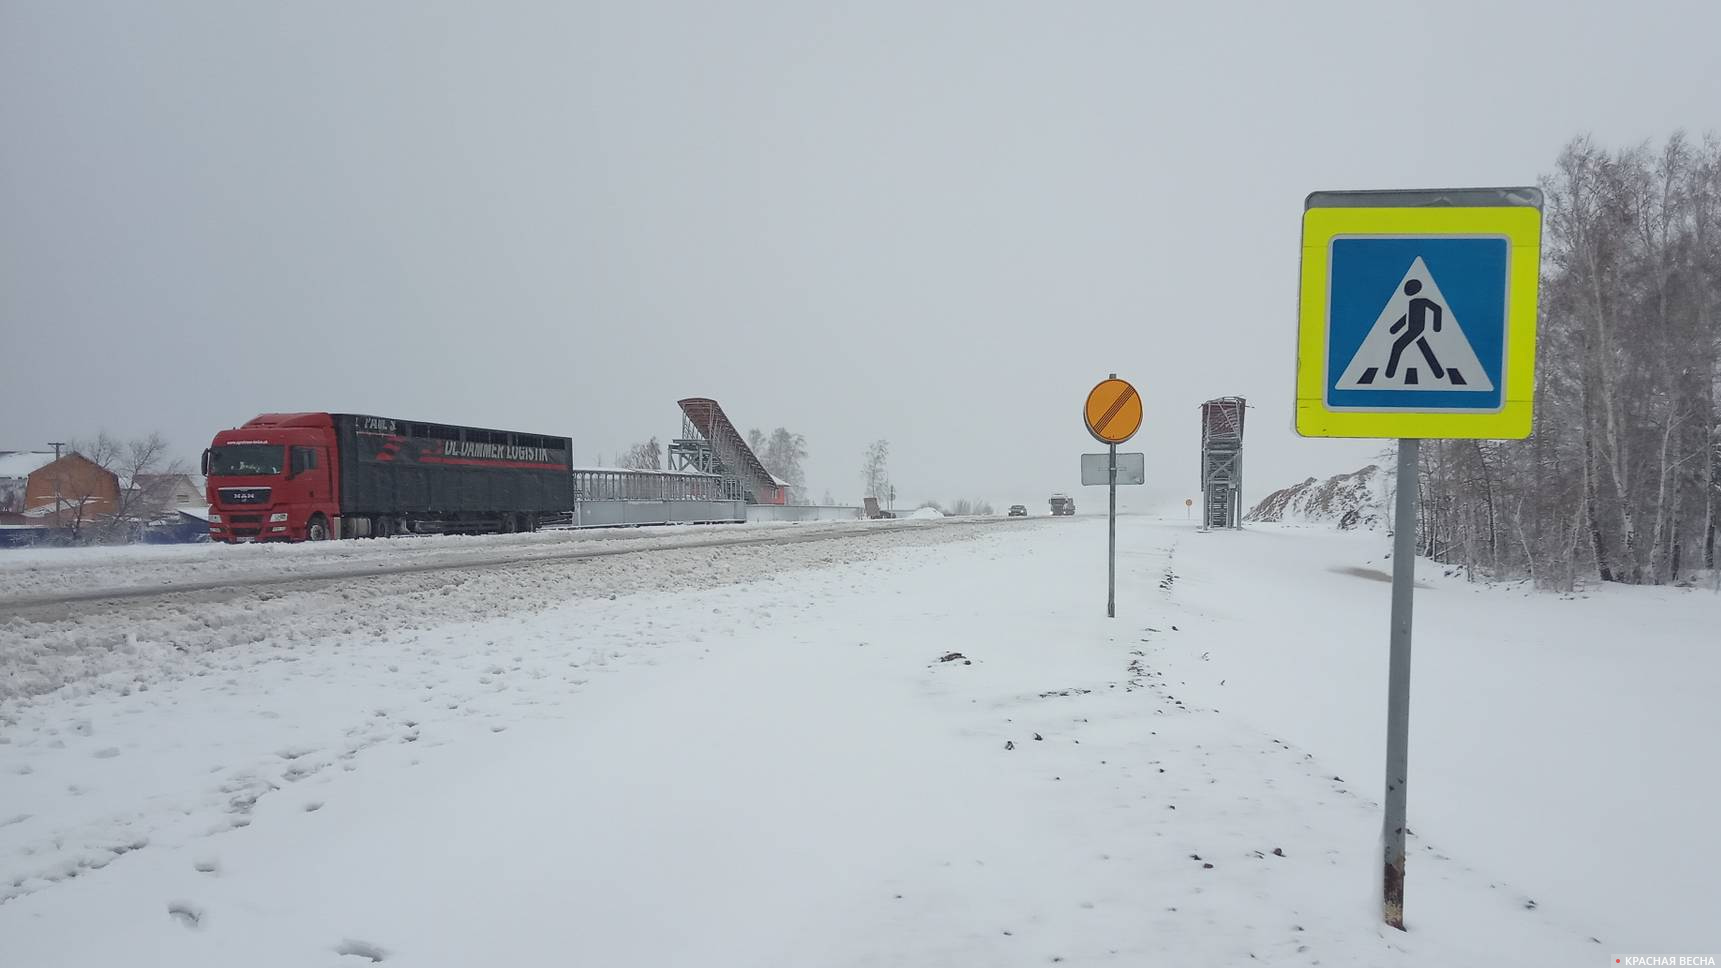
[755, 756]
[35, 577]
[70, 617]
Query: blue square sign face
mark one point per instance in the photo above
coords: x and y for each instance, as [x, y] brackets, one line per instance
[1417, 324]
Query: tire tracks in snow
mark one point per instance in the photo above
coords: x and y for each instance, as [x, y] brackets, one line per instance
[27, 605]
[127, 642]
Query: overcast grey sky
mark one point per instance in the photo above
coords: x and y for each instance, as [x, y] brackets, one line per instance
[933, 223]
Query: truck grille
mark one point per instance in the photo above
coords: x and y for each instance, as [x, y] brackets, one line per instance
[245, 495]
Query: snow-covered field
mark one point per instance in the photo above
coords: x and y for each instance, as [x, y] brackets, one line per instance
[754, 756]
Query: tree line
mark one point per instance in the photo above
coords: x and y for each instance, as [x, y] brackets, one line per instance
[1621, 479]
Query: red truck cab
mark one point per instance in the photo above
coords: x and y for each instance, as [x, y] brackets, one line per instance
[274, 479]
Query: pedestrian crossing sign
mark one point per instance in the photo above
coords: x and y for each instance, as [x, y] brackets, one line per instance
[1418, 314]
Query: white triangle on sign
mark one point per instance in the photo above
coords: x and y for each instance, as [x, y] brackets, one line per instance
[1427, 360]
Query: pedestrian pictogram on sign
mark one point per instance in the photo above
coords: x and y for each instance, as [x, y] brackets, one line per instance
[1416, 343]
[1417, 324]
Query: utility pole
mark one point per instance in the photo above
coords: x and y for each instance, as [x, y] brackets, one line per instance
[56, 444]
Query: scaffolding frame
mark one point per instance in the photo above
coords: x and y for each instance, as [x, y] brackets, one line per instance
[1222, 463]
[710, 444]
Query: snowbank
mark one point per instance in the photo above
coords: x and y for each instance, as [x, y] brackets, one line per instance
[31, 574]
[132, 643]
[1357, 500]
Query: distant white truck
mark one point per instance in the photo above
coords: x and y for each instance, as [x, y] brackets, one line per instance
[1063, 504]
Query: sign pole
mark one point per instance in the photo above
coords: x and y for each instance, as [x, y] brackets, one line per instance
[1398, 683]
[1112, 413]
[1405, 291]
[1111, 541]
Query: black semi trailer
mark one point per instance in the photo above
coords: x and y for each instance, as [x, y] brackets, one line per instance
[310, 476]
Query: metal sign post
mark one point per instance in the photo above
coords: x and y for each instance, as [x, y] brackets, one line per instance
[1416, 320]
[1112, 414]
[1398, 682]
[1111, 539]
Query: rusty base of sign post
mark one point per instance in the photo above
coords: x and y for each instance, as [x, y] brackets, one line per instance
[1392, 896]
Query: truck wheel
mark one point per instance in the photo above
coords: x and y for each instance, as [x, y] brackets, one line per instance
[507, 526]
[317, 529]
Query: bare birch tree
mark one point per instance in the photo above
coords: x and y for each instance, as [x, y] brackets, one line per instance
[875, 470]
[647, 456]
[1622, 479]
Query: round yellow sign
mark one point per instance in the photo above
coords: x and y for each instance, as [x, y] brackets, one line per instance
[1113, 411]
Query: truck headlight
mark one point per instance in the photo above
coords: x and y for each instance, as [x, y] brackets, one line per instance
[277, 516]
[215, 519]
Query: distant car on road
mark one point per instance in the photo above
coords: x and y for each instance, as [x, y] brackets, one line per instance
[1018, 511]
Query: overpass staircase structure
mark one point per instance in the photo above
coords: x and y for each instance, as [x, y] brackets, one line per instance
[710, 444]
[1222, 463]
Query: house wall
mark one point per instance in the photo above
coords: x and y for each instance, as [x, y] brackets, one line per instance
[188, 494]
[172, 491]
[77, 478]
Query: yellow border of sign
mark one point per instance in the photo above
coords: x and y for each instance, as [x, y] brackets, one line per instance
[1521, 225]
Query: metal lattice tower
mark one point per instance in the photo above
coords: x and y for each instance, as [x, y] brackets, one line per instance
[1222, 463]
[692, 452]
[710, 444]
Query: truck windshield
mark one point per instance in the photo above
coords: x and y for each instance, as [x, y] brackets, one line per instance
[246, 460]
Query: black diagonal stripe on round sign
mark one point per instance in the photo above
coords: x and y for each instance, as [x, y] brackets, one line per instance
[1112, 411]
